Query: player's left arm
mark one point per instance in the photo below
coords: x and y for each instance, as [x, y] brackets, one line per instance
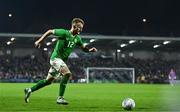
[85, 48]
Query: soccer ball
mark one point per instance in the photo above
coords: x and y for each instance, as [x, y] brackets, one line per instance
[128, 104]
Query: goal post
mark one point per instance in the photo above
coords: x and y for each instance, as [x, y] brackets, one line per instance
[108, 74]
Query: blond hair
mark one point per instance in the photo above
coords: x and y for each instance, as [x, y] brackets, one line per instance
[77, 20]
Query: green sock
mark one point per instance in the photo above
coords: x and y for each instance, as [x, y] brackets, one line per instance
[63, 84]
[39, 85]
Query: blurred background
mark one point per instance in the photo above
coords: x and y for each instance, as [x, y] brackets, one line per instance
[143, 34]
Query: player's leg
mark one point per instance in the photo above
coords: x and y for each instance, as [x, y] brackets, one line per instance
[60, 66]
[173, 82]
[169, 80]
[42, 83]
[66, 74]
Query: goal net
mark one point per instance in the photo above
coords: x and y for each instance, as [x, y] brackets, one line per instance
[110, 75]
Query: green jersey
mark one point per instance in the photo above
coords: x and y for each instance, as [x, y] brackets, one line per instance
[65, 44]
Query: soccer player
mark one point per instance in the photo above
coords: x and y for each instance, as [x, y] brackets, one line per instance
[66, 41]
[172, 77]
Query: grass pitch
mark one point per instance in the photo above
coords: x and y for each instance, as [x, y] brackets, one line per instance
[91, 98]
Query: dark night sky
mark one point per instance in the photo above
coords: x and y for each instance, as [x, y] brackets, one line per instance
[109, 17]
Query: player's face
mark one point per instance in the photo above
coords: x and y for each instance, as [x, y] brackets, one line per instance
[77, 28]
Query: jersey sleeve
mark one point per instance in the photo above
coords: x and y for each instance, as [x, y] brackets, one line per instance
[80, 42]
[60, 33]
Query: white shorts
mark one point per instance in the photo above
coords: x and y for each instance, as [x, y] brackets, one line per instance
[56, 65]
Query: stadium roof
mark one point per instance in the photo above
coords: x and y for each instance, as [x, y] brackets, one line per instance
[100, 41]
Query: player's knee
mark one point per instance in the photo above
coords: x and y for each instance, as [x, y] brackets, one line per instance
[64, 70]
[68, 74]
[66, 78]
[49, 81]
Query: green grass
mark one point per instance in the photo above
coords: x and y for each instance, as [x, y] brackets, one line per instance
[91, 98]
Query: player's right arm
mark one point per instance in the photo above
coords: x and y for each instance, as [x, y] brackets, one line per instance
[57, 32]
[43, 37]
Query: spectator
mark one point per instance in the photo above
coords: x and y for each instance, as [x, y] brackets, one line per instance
[28, 69]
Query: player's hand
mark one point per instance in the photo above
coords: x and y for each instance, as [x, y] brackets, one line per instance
[37, 44]
[93, 49]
